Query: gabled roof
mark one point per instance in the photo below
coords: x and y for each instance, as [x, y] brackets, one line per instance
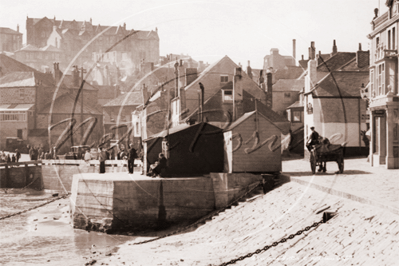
[341, 84]
[245, 116]
[9, 31]
[133, 98]
[9, 65]
[289, 85]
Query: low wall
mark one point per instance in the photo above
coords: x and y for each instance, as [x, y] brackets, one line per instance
[104, 202]
[21, 175]
[229, 186]
[58, 174]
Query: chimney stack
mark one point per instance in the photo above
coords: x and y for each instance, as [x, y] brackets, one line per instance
[362, 58]
[312, 51]
[75, 76]
[249, 70]
[335, 49]
[311, 77]
[294, 49]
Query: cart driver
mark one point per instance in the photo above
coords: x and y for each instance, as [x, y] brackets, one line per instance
[313, 139]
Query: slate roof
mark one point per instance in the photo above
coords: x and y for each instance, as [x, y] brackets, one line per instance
[349, 83]
[295, 104]
[25, 79]
[289, 85]
[336, 61]
[9, 31]
[9, 65]
[133, 98]
[29, 47]
[50, 48]
[64, 105]
[269, 113]
[288, 72]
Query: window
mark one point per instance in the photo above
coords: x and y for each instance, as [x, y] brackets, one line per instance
[393, 38]
[19, 133]
[224, 79]
[389, 40]
[381, 79]
[287, 97]
[13, 116]
[296, 116]
[227, 96]
[372, 92]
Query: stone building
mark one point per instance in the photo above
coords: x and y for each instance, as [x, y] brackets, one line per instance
[383, 92]
[10, 40]
[332, 99]
[28, 105]
[40, 58]
[80, 39]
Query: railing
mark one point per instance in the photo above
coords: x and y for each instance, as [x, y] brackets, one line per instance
[382, 53]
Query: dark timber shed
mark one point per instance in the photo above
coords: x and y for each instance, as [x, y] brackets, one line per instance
[194, 150]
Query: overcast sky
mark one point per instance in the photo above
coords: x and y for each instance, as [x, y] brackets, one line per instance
[209, 30]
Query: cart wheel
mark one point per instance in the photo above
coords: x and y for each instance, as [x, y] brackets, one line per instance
[312, 162]
[341, 166]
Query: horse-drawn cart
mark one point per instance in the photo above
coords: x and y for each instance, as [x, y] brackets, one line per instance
[326, 153]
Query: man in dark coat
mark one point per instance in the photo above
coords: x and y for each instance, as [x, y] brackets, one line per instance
[102, 158]
[131, 157]
[160, 164]
[313, 139]
[17, 155]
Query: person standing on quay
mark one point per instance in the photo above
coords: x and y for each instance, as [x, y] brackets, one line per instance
[131, 158]
[102, 158]
[17, 155]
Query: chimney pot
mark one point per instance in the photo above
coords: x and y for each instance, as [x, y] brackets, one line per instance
[294, 49]
[360, 46]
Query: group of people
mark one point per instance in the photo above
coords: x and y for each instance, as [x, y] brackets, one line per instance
[38, 153]
[10, 157]
[131, 155]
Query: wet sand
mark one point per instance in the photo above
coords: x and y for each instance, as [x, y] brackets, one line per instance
[45, 235]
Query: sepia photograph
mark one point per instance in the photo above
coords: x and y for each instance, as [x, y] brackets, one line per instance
[199, 132]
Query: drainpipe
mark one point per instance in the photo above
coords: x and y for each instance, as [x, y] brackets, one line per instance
[200, 101]
[176, 65]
